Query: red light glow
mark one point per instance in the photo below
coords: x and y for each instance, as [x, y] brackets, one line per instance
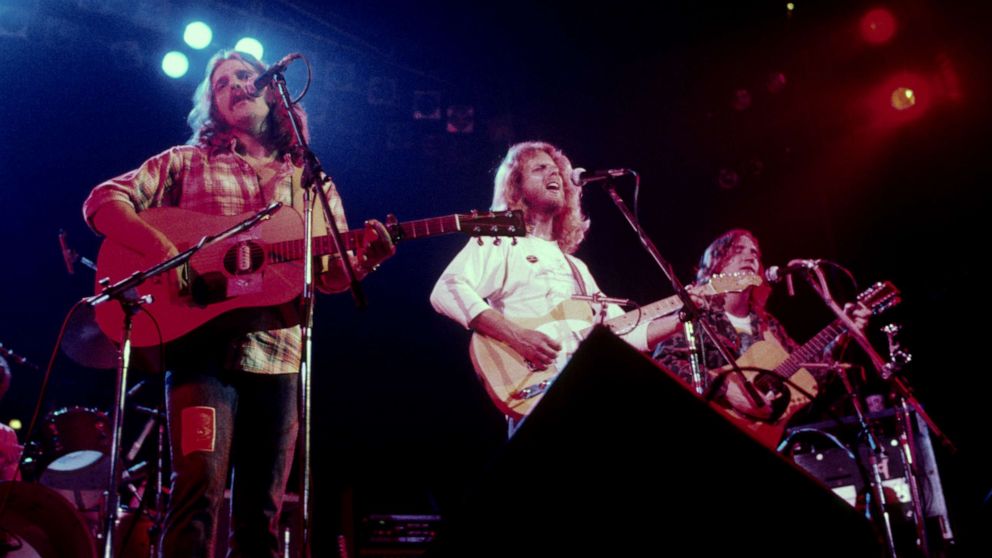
[878, 26]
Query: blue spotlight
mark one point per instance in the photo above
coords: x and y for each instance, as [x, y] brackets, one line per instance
[175, 64]
[198, 35]
[251, 46]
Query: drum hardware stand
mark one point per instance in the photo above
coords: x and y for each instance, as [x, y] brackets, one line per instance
[909, 452]
[124, 292]
[153, 482]
[888, 372]
[876, 506]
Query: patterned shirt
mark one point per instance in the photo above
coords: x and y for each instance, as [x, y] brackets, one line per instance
[218, 181]
[671, 352]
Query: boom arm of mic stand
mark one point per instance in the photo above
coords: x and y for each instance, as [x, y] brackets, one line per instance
[120, 288]
[689, 307]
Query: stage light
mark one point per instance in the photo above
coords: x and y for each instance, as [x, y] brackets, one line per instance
[15, 424]
[461, 119]
[175, 64]
[776, 82]
[878, 26]
[902, 98]
[198, 35]
[741, 100]
[728, 179]
[427, 105]
[251, 46]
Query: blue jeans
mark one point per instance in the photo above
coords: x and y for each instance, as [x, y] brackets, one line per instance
[223, 421]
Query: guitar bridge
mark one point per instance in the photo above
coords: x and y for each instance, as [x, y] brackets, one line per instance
[530, 392]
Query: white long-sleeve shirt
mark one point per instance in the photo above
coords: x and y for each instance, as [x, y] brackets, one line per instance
[522, 280]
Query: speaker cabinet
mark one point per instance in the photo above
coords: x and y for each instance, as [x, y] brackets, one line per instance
[621, 459]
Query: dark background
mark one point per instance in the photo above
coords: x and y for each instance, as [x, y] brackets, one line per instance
[820, 167]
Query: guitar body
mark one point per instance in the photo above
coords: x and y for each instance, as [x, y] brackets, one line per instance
[767, 355]
[515, 388]
[228, 275]
[260, 267]
[511, 383]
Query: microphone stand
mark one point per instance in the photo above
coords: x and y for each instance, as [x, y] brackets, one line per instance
[315, 179]
[123, 292]
[690, 310]
[886, 370]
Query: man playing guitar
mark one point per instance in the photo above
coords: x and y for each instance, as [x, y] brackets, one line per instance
[492, 286]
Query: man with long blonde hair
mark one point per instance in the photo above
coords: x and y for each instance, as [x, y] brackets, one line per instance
[488, 286]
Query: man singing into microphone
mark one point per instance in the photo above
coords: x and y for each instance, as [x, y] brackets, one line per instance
[231, 389]
[489, 287]
[738, 318]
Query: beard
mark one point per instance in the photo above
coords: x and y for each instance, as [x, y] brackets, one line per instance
[544, 206]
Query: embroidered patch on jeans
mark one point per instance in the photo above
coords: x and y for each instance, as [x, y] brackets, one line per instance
[199, 429]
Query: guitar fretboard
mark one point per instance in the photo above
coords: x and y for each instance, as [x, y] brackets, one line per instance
[644, 314]
[811, 350]
[293, 249]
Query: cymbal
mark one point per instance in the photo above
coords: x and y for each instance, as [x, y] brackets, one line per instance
[85, 343]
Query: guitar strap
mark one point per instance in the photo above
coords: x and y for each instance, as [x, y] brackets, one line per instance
[575, 273]
[323, 263]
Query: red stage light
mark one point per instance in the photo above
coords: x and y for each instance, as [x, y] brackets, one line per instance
[878, 26]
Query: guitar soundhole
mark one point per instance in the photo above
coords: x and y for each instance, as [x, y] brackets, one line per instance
[773, 390]
[243, 258]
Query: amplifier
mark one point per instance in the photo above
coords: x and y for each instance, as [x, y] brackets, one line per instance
[835, 453]
[383, 535]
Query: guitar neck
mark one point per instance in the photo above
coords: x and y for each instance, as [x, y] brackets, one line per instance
[718, 284]
[644, 314]
[324, 245]
[811, 350]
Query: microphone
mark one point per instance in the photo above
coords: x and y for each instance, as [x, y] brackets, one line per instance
[279, 67]
[776, 274]
[68, 256]
[581, 176]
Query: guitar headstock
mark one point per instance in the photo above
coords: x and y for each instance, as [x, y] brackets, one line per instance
[493, 223]
[732, 282]
[880, 297]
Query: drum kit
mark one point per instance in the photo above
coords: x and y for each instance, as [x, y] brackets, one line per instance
[56, 503]
[57, 509]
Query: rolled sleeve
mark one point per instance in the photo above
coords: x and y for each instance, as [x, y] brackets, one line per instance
[140, 188]
[476, 274]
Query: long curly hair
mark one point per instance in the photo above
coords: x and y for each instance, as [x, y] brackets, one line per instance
[715, 257]
[209, 130]
[569, 226]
